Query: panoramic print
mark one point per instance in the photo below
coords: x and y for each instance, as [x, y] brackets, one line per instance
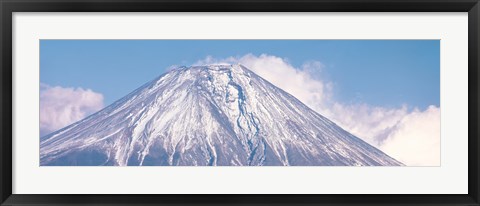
[239, 103]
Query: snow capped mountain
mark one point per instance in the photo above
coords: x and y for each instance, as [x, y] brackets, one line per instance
[208, 115]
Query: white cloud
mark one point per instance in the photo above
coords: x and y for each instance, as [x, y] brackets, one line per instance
[419, 134]
[412, 137]
[61, 106]
[369, 122]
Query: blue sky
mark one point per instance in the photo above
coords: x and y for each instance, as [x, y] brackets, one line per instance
[385, 73]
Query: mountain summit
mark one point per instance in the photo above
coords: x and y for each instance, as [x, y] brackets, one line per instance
[208, 115]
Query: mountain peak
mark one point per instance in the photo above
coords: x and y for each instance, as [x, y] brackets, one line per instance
[213, 67]
[208, 115]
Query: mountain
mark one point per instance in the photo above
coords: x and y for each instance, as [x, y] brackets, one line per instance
[208, 115]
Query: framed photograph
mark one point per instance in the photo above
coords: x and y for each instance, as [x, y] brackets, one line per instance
[253, 103]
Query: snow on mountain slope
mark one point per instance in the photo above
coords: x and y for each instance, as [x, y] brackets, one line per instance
[208, 115]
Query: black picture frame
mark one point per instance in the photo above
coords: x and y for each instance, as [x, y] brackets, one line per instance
[7, 7]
